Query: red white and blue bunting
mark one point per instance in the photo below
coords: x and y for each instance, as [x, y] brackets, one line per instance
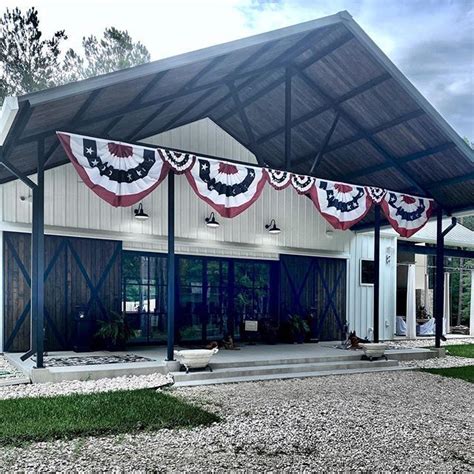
[123, 174]
[406, 214]
[179, 162]
[341, 204]
[119, 173]
[228, 188]
[279, 179]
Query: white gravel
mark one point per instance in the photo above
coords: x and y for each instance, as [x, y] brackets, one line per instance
[429, 342]
[89, 386]
[392, 421]
[8, 372]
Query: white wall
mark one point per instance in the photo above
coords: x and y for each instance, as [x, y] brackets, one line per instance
[72, 209]
[360, 297]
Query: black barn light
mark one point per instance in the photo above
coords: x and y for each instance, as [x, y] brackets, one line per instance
[272, 227]
[140, 214]
[211, 221]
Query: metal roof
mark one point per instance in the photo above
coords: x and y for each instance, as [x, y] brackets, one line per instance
[386, 134]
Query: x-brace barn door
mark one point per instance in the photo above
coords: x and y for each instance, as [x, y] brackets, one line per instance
[315, 286]
[77, 272]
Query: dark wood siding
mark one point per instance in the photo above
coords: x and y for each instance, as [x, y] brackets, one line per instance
[318, 286]
[77, 272]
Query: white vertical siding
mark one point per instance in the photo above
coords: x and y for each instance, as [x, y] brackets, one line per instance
[72, 209]
[360, 297]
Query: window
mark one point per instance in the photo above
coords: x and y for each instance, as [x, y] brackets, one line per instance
[145, 297]
[367, 272]
[213, 296]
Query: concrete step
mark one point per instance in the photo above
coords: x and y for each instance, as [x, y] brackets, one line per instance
[350, 356]
[301, 375]
[279, 369]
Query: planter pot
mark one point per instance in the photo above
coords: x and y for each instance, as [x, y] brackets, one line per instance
[374, 350]
[195, 358]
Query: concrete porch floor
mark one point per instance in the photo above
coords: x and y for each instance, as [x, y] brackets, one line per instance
[279, 355]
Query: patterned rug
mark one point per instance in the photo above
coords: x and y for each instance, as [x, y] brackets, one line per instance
[51, 361]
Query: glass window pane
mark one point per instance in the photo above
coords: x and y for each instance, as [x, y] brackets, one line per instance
[244, 274]
[190, 271]
[261, 275]
[136, 298]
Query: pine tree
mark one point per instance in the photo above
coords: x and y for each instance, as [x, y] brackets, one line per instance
[28, 62]
[115, 51]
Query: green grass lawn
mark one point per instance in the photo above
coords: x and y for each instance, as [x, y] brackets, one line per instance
[461, 350]
[40, 419]
[463, 373]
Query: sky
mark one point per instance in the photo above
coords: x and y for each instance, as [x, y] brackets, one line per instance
[431, 41]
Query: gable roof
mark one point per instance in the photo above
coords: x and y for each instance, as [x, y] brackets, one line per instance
[386, 133]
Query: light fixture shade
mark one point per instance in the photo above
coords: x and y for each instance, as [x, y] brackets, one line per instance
[272, 227]
[211, 221]
[140, 214]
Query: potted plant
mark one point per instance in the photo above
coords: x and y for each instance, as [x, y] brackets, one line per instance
[115, 331]
[299, 328]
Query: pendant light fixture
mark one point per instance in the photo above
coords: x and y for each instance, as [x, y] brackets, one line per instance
[272, 227]
[140, 214]
[211, 221]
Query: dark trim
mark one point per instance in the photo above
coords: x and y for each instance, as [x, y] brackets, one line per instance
[16, 172]
[243, 115]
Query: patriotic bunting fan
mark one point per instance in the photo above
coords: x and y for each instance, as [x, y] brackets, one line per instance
[302, 183]
[406, 214]
[227, 187]
[342, 205]
[180, 162]
[376, 194]
[123, 174]
[278, 179]
[119, 173]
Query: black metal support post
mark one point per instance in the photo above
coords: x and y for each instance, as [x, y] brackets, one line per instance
[376, 273]
[37, 262]
[288, 118]
[439, 287]
[171, 268]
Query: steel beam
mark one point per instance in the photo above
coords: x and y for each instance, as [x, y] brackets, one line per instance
[288, 82]
[323, 148]
[376, 273]
[439, 284]
[37, 262]
[171, 268]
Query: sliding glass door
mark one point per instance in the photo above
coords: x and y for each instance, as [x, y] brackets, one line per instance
[214, 296]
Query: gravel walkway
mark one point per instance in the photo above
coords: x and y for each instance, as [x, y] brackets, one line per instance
[89, 386]
[392, 421]
[8, 373]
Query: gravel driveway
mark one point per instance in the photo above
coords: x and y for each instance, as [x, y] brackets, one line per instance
[393, 421]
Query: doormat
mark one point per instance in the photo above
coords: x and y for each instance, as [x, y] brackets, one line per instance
[50, 361]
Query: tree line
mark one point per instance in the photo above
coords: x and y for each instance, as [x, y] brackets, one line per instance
[30, 62]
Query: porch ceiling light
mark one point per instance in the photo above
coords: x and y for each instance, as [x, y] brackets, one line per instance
[140, 214]
[211, 221]
[272, 227]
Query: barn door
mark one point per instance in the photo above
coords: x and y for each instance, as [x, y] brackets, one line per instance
[77, 272]
[317, 286]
